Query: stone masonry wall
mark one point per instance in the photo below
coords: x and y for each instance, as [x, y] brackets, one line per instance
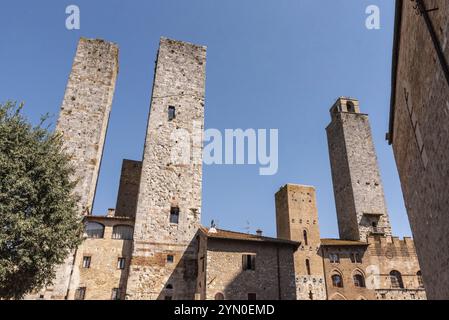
[168, 181]
[421, 140]
[83, 122]
[347, 268]
[103, 275]
[128, 189]
[358, 188]
[296, 213]
[390, 253]
[273, 278]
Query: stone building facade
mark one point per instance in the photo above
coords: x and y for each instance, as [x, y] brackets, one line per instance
[419, 132]
[153, 246]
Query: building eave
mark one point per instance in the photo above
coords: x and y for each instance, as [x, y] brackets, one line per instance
[394, 67]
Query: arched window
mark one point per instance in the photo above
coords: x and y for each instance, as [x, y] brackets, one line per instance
[359, 280]
[219, 296]
[94, 230]
[308, 266]
[396, 280]
[306, 242]
[420, 281]
[337, 280]
[169, 287]
[350, 106]
[122, 232]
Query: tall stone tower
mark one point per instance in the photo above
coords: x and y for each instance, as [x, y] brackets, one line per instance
[164, 263]
[297, 220]
[83, 122]
[358, 190]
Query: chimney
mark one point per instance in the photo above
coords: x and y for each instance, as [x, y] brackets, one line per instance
[259, 232]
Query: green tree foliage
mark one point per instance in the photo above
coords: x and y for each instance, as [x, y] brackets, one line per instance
[39, 223]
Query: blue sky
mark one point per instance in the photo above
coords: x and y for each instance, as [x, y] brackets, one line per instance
[271, 64]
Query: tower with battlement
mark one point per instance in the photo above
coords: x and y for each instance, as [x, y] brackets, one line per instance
[358, 189]
[168, 212]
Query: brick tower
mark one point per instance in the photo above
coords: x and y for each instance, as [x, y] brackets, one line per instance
[83, 122]
[164, 263]
[358, 190]
[297, 220]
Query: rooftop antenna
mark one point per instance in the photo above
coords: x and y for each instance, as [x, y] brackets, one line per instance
[248, 227]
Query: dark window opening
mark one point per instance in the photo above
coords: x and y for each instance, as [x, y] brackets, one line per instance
[170, 258]
[174, 215]
[308, 266]
[396, 280]
[80, 293]
[337, 281]
[334, 258]
[306, 242]
[310, 295]
[115, 294]
[121, 263]
[122, 232]
[171, 113]
[249, 262]
[168, 298]
[350, 106]
[86, 262]
[219, 296]
[252, 296]
[359, 281]
[94, 230]
[169, 287]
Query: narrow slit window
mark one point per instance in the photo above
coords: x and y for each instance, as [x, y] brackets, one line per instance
[86, 262]
[171, 113]
[174, 215]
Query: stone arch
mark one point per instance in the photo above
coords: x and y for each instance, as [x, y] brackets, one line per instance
[337, 296]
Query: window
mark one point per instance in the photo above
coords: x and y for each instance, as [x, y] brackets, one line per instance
[359, 280]
[249, 262]
[334, 258]
[420, 281]
[115, 294]
[170, 258]
[122, 232]
[412, 296]
[219, 296]
[80, 293]
[308, 266]
[337, 281]
[86, 262]
[168, 298]
[383, 295]
[121, 262]
[396, 280]
[171, 113]
[94, 230]
[252, 296]
[304, 233]
[350, 106]
[174, 215]
[356, 258]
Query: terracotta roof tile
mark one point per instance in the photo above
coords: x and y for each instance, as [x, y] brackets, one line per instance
[232, 235]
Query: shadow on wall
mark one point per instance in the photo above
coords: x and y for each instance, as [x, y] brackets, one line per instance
[182, 282]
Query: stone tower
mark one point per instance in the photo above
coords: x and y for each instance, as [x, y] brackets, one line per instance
[358, 190]
[83, 122]
[297, 220]
[164, 263]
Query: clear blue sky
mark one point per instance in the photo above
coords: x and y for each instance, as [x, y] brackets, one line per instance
[271, 64]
